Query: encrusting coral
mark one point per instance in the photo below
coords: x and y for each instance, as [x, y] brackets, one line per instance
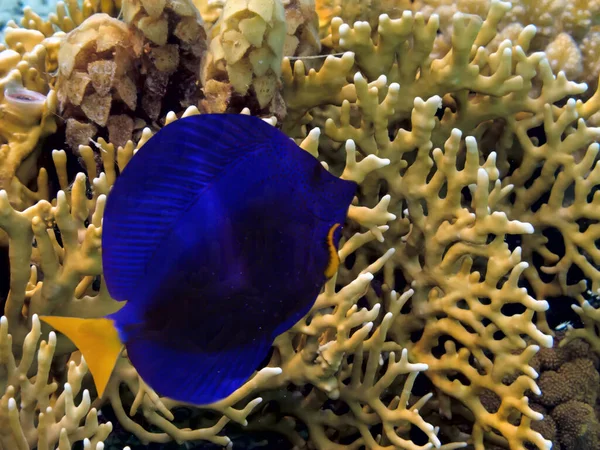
[570, 383]
[471, 153]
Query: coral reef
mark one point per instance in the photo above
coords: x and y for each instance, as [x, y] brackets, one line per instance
[174, 49]
[244, 58]
[96, 80]
[570, 382]
[565, 29]
[475, 153]
[98, 73]
[43, 419]
[27, 107]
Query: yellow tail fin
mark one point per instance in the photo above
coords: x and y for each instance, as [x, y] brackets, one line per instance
[98, 341]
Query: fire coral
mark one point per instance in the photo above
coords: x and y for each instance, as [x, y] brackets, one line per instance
[473, 139]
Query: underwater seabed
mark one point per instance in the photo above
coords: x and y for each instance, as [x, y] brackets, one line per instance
[465, 310]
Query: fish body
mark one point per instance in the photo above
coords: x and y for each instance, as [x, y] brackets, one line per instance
[219, 234]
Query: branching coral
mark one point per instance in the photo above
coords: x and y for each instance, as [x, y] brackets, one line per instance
[364, 384]
[66, 251]
[68, 257]
[43, 419]
[461, 204]
[472, 154]
[590, 332]
[27, 107]
[566, 134]
[567, 30]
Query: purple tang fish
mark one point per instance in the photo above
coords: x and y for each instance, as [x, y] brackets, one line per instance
[219, 234]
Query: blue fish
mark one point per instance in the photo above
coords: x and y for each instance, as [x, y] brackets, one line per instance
[219, 235]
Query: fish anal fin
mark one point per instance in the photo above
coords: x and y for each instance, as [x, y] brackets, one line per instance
[334, 259]
[98, 341]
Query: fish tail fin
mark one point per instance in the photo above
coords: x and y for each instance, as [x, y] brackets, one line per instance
[98, 341]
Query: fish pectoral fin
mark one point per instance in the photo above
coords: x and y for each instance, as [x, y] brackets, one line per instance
[98, 341]
[334, 259]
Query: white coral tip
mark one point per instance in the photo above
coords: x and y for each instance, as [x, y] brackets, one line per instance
[358, 77]
[548, 341]
[528, 228]
[272, 371]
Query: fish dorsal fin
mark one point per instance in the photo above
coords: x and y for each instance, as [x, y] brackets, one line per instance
[98, 341]
[162, 180]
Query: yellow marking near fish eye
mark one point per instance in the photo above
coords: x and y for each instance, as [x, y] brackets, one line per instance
[334, 259]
